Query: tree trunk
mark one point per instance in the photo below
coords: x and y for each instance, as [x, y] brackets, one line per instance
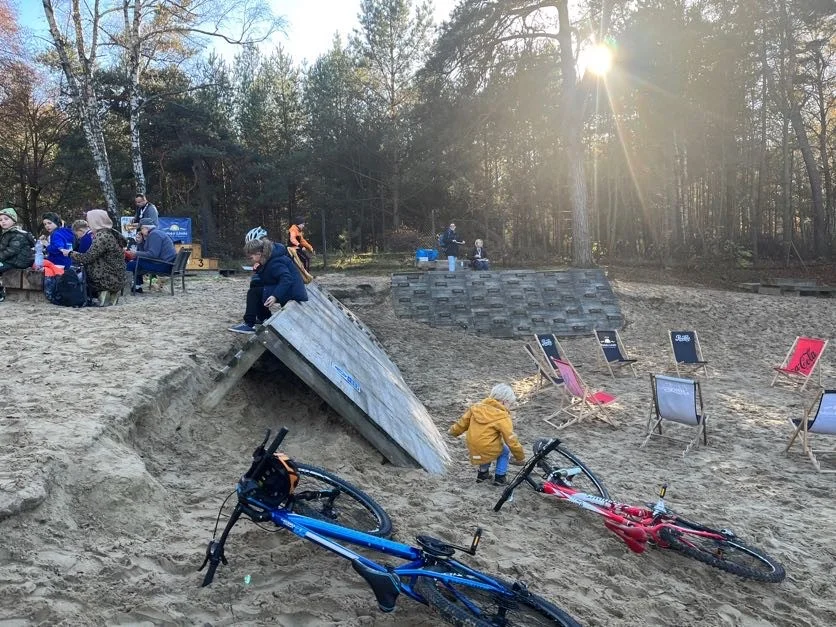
[209, 229]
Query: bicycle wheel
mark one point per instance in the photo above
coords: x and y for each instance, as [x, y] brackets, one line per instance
[728, 553]
[558, 466]
[460, 604]
[325, 496]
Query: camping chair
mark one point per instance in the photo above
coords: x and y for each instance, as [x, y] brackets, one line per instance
[545, 371]
[676, 400]
[687, 351]
[801, 360]
[178, 268]
[613, 350]
[823, 422]
[582, 401]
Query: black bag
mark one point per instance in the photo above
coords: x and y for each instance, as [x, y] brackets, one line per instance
[70, 288]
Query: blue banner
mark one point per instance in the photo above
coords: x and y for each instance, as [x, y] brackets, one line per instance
[178, 229]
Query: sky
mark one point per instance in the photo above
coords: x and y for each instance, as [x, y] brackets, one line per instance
[311, 24]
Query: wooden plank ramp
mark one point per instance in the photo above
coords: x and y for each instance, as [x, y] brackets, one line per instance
[337, 356]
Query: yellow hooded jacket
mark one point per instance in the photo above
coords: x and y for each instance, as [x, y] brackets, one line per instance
[488, 424]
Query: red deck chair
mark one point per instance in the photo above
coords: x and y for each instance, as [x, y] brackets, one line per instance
[581, 401]
[801, 361]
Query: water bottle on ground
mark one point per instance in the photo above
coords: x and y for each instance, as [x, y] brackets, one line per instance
[39, 254]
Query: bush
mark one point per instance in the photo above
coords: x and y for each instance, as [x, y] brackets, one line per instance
[402, 240]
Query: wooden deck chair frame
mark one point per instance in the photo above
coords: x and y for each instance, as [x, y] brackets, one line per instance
[806, 426]
[656, 418]
[700, 363]
[545, 372]
[794, 377]
[626, 361]
[578, 407]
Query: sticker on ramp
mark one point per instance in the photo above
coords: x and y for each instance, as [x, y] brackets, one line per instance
[348, 378]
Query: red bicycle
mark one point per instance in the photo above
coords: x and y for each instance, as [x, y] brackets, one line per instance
[566, 477]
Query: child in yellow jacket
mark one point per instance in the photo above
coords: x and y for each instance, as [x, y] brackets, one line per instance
[490, 434]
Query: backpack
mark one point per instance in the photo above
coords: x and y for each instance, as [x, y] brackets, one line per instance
[70, 288]
[442, 241]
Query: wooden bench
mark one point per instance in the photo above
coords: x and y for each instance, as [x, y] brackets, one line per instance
[24, 284]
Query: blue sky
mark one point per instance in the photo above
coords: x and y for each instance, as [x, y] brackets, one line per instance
[310, 30]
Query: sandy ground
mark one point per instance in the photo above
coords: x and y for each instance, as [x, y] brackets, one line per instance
[111, 479]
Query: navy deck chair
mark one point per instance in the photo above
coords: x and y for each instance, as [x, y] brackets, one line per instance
[687, 351]
[613, 350]
[822, 422]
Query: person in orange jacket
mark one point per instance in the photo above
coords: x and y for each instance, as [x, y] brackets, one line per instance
[490, 434]
[298, 241]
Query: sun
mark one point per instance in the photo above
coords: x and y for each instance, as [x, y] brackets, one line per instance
[598, 59]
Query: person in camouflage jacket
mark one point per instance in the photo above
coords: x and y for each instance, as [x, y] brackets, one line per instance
[104, 262]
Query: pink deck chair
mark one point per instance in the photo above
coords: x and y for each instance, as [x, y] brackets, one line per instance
[581, 401]
[801, 361]
[823, 421]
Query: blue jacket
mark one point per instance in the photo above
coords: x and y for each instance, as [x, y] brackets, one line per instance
[281, 278]
[61, 237]
[85, 242]
[157, 245]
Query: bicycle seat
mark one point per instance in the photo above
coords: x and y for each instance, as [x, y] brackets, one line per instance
[435, 547]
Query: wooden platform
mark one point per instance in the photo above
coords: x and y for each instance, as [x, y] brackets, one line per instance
[789, 287]
[196, 260]
[24, 285]
[338, 357]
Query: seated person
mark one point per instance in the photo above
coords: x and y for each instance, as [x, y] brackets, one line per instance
[83, 236]
[296, 236]
[16, 246]
[60, 238]
[479, 257]
[276, 280]
[154, 253]
[104, 261]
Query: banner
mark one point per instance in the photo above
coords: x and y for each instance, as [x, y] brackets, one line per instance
[178, 229]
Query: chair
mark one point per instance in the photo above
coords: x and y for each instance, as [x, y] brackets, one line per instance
[178, 268]
[801, 360]
[582, 401]
[823, 422]
[545, 371]
[687, 351]
[676, 400]
[613, 350]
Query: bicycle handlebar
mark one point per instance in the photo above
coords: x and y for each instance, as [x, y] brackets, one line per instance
[274, 446]
[522, 475]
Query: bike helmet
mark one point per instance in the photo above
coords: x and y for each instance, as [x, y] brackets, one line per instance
[254, 234]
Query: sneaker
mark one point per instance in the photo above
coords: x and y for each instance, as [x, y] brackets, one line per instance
[500, 480]
[2, 293]
[483, 476]
[242, 328]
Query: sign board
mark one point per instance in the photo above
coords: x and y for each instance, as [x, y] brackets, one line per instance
[178, 229]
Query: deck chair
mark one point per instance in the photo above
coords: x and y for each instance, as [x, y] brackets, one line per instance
[545, 371]
[687, 351]
[613, 350]
[823, 422]
[581, 401]
[676, 400]
[801, 360]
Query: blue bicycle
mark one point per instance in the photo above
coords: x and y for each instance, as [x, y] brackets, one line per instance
[274, 490]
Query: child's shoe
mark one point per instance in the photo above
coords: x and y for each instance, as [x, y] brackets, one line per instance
[500, 480]
[483, 475]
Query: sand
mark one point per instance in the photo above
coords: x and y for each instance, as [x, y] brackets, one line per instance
[111, 478]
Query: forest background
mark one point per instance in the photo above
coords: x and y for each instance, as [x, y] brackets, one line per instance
[711, 137]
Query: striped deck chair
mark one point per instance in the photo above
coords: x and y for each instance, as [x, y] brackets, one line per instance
[613, 350]
[581, 401]
[801, 361]
[545, 371]
[676, 400]
[687, 351]
[823, 422]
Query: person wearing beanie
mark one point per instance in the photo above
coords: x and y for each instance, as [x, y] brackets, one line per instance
[155, 252]
[60, 239]
[105, 259]
[299, 243]
[16, 246]
[490, 434]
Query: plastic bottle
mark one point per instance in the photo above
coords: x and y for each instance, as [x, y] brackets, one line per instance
[39, 254]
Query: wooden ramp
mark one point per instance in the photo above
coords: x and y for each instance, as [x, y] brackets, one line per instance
[335, 354]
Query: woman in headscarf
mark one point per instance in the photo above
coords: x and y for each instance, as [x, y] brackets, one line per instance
[105, 260]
